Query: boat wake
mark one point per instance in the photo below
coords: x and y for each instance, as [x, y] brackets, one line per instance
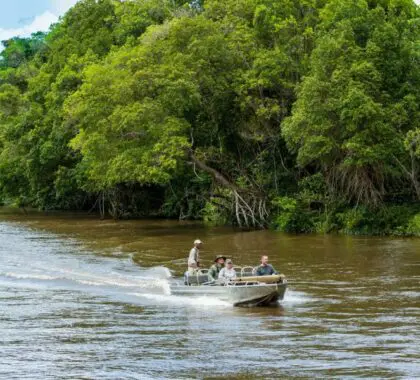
[184, 300]
[35, 260]
[39, 260]
[293, 297]
[150, 286]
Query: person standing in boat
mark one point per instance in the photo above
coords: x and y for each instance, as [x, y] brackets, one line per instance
[265, 269]
[215, 269]
[227, 273]
[194, 257]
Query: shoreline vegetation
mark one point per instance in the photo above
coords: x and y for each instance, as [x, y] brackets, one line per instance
[300, 116]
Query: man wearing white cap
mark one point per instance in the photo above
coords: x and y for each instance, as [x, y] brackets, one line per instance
[194, 257]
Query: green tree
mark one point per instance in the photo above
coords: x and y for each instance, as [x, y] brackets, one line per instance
[19, 50]
[348, 120]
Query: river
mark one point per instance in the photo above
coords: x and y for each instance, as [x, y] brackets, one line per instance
[89, 299]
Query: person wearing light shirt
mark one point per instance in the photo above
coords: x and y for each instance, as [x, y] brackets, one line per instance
[194, 257]
[227, 273]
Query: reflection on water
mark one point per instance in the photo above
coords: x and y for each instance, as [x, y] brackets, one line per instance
[81, 298]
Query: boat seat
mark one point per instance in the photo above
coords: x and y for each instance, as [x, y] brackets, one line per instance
[238, 270]
[245, 272]
[196, 279]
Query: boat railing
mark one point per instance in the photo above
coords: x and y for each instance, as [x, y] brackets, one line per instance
[245, 275]
[245, 271]
[268, 279]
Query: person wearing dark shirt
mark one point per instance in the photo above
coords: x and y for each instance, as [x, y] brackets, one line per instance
[216, 267]
[265, 269]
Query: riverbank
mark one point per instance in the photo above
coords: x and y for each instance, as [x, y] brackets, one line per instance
[294, 217]
[388, 220]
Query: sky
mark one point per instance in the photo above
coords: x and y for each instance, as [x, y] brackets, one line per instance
[23, 17]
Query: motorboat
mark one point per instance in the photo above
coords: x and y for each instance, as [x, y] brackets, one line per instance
[245, 290]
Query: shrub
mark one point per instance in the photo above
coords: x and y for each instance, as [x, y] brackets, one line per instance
[413, 227]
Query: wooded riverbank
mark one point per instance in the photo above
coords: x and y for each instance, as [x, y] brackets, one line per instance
[301, 116]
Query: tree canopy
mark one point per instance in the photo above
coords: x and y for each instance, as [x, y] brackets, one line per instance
[247, 112]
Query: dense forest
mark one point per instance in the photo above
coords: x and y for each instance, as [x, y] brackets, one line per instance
[301, 116]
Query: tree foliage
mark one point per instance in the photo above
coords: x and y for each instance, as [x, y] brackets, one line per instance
[214, 109]
[360, 97]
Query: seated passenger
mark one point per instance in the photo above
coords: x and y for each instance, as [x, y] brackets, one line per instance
[216, 268]
[227, 273]
[265, 269]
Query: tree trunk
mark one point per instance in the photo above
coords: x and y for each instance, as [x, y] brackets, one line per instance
[413, 173]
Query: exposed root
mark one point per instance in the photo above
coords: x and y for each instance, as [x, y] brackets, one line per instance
[247, 207]
[360, 184]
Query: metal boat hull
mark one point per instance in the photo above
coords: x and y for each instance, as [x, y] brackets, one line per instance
[259, 294]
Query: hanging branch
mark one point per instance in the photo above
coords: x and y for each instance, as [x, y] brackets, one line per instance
[249, 208]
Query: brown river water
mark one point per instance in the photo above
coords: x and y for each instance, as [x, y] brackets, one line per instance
[82, 298]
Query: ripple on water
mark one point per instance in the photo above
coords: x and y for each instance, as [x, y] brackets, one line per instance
[70, 312]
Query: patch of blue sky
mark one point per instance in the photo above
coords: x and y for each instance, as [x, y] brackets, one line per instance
[21, 18]
[18, 13]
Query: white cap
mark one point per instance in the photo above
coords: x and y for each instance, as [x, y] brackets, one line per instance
[198, 241]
